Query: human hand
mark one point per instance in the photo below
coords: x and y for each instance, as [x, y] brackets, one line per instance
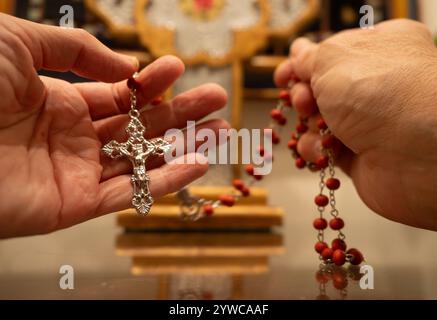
[52, 173]
[377, 91]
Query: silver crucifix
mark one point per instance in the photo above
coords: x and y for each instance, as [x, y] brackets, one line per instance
[137, 149]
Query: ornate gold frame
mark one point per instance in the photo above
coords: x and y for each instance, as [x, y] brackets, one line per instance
[7, 6]
[312, 10]
[116, 31]
[160, 40]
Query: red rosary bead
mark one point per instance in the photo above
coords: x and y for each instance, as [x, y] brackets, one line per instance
[208, 210]
[321, 124]
[292, 144]
[339, 257]
[320, 246]
[133, 84]
[320, 224]
[332, 184]
[282, 121]
[356, 256]
[300, 163]
[322, 277]
[245, 192]
[227, 200]
[275, 138]
[258, 177]
[336, 223]
[322, 162]
[328, 142]
[261, 151]
[301, 128]
[321, 200]
[327, 254]
[238, 184]
[338, 244]
[339, 281]
[284, 95]
[276, 114]
[250, 169]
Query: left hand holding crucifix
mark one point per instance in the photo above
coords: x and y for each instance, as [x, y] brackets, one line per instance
[52, 172]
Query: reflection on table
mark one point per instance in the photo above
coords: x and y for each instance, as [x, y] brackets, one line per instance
[199, 265]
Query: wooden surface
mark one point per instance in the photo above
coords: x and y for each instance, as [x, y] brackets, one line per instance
[264, 94]
[199, 244]
[398, 9]
[241, 217]
[258, 196]
[7, 6]
[237, 104]
[202, 265]
[264, 63]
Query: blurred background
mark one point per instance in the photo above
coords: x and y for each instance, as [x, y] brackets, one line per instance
[262, 248]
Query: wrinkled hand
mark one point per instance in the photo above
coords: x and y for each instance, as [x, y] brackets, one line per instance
[52, 173]
[377, 90]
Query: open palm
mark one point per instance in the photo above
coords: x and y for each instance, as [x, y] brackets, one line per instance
[52, 173]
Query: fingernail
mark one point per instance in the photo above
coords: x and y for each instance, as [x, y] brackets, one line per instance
[132, 60]
[135, 62]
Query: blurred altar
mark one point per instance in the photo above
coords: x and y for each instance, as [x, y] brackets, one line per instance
[237, 45]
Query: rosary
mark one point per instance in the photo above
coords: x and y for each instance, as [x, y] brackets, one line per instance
[137, 149]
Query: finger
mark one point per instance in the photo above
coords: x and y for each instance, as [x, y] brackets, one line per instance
[106, 100]
[313, 122]
[75, 50]
[113, 168]
[303, 54]
[345, 160]
[310, 146]
[299, 45]
[116, 193]
[303, 99]
[283, 73]
[191, 105]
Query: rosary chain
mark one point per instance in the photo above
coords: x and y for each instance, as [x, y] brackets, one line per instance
[326, 170]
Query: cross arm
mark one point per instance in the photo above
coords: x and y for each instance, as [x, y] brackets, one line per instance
[115, 149]
[160, 146]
